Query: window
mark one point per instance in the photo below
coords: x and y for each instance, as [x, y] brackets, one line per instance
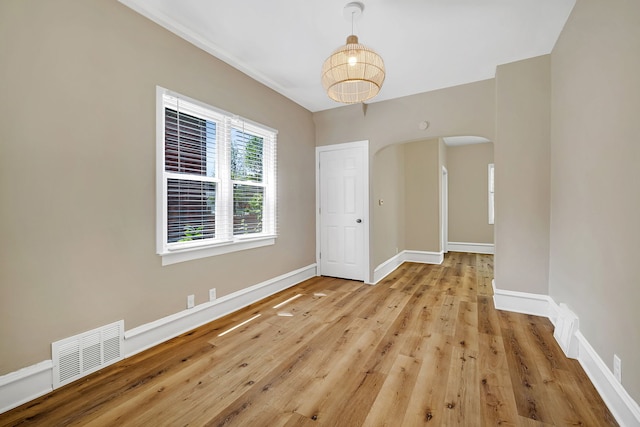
[216, 181]
[491, 193]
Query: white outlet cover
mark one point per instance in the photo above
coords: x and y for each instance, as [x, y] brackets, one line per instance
[212, 294]
[191, 301]
[617, 368]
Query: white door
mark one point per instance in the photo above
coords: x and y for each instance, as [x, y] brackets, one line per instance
[342, 215]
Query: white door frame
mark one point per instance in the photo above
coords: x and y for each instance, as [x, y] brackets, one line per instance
[365, 215]
[444, 204]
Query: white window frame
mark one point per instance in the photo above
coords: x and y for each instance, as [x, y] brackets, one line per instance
[491, 187]
[225, 241]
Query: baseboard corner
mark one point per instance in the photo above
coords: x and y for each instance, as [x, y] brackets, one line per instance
[521, 302]
[625, 410]
[387, 267]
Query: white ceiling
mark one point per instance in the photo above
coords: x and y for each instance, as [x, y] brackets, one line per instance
[426, 44]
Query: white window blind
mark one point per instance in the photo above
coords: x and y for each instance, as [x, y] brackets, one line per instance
[217, 177]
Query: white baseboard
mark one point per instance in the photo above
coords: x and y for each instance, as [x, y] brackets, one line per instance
[34, 381]
[625, 410]
[475, 248]
[522, 302]
[384, 269]
[26, 384]
[151, 334]
[424, 257]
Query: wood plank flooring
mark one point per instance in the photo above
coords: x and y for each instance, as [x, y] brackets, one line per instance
[425, 347]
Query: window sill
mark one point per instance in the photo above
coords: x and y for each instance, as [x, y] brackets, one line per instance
[188, 254]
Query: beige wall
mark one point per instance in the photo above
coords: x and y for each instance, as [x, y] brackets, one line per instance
[422, 196]
[461, 110]
[388, 217]
[595, 176]
[521, 153]
[467, 167]
[407, 177]
[77, 165]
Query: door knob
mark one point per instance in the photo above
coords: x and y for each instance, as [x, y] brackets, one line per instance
[358, 220]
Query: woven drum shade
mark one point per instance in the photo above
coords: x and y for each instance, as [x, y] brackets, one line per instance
[353, 73]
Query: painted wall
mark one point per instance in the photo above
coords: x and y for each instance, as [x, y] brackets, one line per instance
[521, 153]
[467, 167]
[389, 203]
[595, 177]
[422, 196]
[407, 178]
[461, 110]
[77, 173]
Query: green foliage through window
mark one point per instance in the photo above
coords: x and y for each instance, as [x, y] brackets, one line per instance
[246, 156]
[191, 233]
[248, 205]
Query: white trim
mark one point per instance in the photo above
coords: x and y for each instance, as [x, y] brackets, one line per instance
[365, 215]
[625, 410]
[522, 302]
[25, 384]
[318, 245]
[475, 248]
[424, 257]
[491, 194]
[161, 190]
[36, 380]
[189, 254]
[151, 334]
[444, 211]
[368, 229]
[387, 267]
[146, 9]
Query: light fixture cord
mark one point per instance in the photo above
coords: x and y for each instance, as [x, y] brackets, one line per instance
[353, 12]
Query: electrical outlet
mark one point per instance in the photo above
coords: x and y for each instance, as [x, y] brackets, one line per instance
[212, 294]
[617, 368]
[191, 301]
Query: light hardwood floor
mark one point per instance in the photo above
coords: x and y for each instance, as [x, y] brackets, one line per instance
[423, 347]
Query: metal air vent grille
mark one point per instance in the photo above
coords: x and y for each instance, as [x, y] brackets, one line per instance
[82, 354]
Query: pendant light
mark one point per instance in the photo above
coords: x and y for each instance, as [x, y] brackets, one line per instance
[353, 73]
